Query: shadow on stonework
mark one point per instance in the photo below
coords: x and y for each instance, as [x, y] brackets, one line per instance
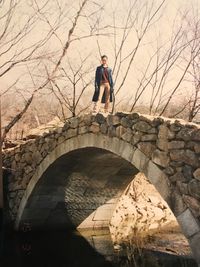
[51, 249]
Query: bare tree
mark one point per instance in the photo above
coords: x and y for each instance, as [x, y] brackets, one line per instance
[161, 66]
[193, 72]
[14, 48]
[165, 62]
[17, 50]
[71, 85]
[53, 70]
[141, 16]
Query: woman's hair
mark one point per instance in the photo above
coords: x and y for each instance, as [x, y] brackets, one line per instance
[104, 56]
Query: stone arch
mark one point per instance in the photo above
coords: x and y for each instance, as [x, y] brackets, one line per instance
[82, 184]
[131, 154]
[112, 144]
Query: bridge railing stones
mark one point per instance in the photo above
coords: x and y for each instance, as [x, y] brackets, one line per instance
[171, 145]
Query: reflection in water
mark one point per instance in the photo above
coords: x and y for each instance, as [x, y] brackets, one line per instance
[71, 249]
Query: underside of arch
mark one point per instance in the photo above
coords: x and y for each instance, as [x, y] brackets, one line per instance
[75, 186]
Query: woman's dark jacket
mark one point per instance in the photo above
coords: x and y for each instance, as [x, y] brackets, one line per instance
[98, 75]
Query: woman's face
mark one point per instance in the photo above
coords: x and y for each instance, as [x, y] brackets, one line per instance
[104, 60]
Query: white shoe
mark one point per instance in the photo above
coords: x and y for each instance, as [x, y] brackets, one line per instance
[106, 112]
[94, 112]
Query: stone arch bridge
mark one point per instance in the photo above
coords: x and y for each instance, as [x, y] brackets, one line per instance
[62, 176]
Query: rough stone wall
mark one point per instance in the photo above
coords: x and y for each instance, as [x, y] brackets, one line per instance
[139, 212]
[172, 145]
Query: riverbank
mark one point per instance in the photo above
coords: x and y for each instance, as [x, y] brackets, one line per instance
[159, 250]
[169, 240]
[143, 218]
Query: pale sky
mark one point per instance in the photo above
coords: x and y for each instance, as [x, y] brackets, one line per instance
[89, 46]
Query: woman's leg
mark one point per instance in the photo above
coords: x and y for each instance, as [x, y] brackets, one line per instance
[107, 98]
[96, 105]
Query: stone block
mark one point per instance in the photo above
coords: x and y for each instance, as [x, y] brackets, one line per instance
[197, 174]
[185, 134]
[193, 204]
[127, 136]
[104, 213]
[169, 170]
[134, 116]
[197, 148]
[113, 120]
[120, 130]
[126, 122]
[157, 121]
[17, 157]
[139, 160]
[190, 144]
[111, 131]
[178, 176]
[194, 188]
[188, 223]
[73, 122]
[176, 145]
[28, 169]
[187, 156]
[136, 138]
[83, 130]
[95, 123]
[147, 148]
[37, 157]
[149, 137]
[32, 148]
[104, 128]
[177, 204]
[158, 178]
[88, 119]
[94, 128]
[162, 144]
[153, 131]
[196, 135]
[13, 165]
[142, 126]
[99, 118]
[187, 172]
[182, 187]
[58, 131]
[125, 150]
[61, 139]
[160, 157]
[165, 133]
[175, 127]
[70, 133]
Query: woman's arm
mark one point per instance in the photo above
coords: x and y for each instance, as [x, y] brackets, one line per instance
[111, 80]
[95, 80]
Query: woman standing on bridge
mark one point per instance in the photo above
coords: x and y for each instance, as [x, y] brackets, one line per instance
[103, 86]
